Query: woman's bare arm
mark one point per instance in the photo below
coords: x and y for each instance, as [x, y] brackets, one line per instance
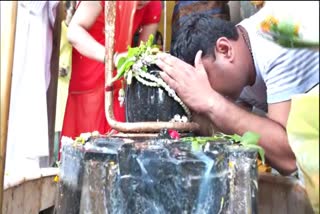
[84, 17]
[147, 30]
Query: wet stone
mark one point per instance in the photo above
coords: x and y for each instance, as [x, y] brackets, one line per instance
[145, 103]
[159, 177]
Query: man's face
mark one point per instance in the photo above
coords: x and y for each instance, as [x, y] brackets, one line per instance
[141, 4]
[226, 78]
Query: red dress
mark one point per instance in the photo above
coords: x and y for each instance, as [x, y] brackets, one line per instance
[85, 109]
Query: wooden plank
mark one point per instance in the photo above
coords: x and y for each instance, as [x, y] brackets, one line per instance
[30, 197]
[264, 199]
[48, 192]
[278, 198]
[282, 195]
[16, 204]
[7, 201]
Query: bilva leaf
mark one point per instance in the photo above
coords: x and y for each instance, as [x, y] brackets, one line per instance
[121, 61]
[123, 69]
[201, 140]
[250, 138]
[132, 52]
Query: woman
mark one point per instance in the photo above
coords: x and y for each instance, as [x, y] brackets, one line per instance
[85, 110]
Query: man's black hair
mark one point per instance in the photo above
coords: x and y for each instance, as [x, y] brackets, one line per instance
[200, 32]
[68, 4]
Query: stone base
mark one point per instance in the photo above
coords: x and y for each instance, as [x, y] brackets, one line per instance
[157, 176]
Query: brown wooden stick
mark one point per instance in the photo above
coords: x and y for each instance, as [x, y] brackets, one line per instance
[126, 127]
[53, 86]
[7, 54]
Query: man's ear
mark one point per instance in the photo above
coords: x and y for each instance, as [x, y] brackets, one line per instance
[224, 47]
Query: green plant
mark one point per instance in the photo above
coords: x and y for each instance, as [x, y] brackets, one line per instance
[137, 60]
[285, 32]
[247, 140]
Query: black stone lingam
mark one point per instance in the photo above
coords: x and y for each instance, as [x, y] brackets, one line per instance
[145, 103]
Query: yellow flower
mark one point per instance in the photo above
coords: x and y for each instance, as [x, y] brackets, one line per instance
[80, 140]
[111, 163]
[296, 29]
[231, 164]
[56, 179]
[267, 22]
[263, 167]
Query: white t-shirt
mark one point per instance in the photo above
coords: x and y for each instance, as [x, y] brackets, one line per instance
[280, 72]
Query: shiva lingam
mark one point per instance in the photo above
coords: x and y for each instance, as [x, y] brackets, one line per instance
[157, 175]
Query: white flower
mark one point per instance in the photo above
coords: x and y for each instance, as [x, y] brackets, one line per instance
[148, 59]
[176, 118]
[66, 140]
[95, 134]
[171, 92]
[184, 119]
[137, 65]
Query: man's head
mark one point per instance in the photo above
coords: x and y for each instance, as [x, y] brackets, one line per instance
[225, 55]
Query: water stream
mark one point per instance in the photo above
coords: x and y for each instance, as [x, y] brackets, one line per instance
[205, 185]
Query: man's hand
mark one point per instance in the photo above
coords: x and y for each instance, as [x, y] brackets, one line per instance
[190, 83]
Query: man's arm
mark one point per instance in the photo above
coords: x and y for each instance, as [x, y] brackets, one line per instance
[194, 89]
[232, 119]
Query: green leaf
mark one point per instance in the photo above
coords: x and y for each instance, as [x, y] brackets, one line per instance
[127, 64]
[195, 146]
[132, 52]
[286, 28]
[150, 40]
[121, 61]
[250, 138]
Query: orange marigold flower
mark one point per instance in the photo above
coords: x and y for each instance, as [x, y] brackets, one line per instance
[267, 22]
[265, 26]
[272, 20]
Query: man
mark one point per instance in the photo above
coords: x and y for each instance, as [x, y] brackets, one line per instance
[236, 60]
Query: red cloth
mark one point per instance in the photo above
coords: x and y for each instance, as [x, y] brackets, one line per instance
[85, 109]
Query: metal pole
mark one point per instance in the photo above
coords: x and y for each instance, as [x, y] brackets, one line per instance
[8, 31]
[126, 127]
[164, 25]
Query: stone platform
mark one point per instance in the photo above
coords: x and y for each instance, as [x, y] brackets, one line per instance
[158, 176]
